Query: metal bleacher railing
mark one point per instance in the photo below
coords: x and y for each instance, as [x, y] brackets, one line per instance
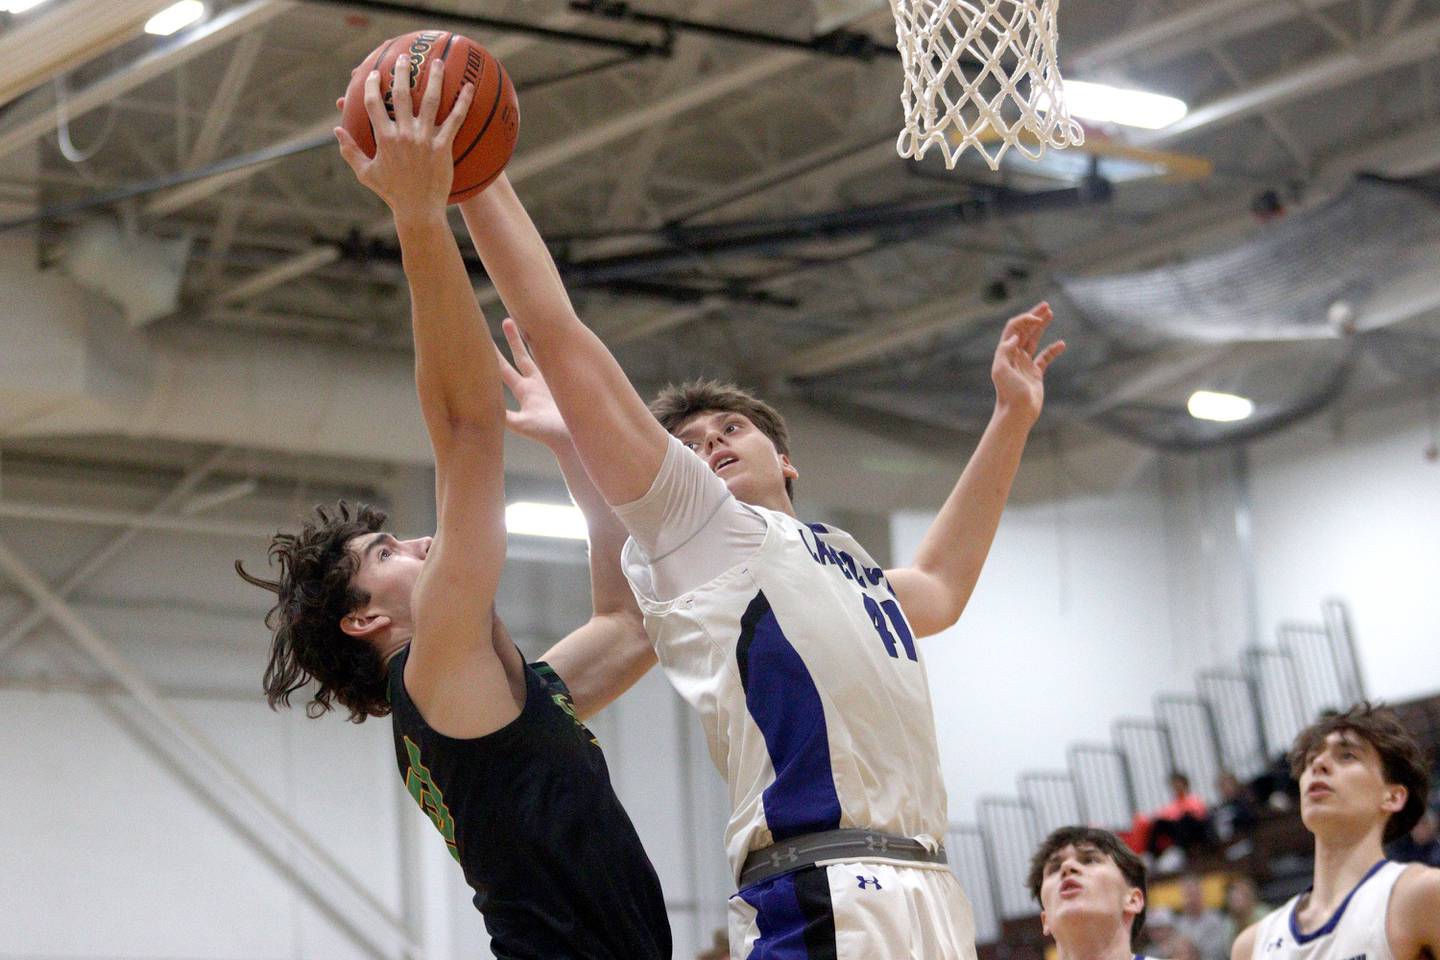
[1238, 719]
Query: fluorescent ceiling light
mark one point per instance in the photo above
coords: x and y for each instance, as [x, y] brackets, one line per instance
[1222, 407]
[531, 519]
[19, 6]
[174, 17]
[1102, 103]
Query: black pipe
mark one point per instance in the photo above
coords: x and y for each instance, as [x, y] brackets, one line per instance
[848, 44]
[640, 48]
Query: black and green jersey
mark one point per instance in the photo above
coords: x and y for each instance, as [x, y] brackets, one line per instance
[529, 813]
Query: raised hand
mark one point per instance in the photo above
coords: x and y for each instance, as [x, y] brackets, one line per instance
[1019, 370]
[538, 418]
[412, 169]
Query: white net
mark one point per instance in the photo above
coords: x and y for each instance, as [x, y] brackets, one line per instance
[982, 75]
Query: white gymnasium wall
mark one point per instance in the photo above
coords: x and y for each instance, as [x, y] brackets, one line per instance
[1068, 628]
[1091, 604]
[1350, 507]
[110, 853]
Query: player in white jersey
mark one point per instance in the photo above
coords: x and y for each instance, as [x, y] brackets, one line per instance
[795, 647]
[1091, 891]
[1363, 781]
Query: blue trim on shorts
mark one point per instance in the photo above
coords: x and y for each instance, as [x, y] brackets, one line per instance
[794, 915]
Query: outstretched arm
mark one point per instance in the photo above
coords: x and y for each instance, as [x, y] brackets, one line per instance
[934, 590]
[610, 652]
[458, 383]
[1413, 926]
[620, 443]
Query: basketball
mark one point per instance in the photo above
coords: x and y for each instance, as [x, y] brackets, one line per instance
[486, 138]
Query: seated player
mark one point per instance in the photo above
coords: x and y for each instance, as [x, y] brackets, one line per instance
[494, 750]
[1091, 891]
[1363, 781]
[796, 648]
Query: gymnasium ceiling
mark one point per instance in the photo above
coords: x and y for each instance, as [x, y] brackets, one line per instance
[624, 159]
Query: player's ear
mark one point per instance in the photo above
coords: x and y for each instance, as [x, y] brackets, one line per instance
[1395, 797]
[787, 469]
[1135, 901]
[1044, 924]
[364, 624]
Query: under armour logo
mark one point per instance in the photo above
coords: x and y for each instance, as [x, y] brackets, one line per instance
[1275, 944]
[877, 843]
[779, 858]
[1358, 956]
[865, 880]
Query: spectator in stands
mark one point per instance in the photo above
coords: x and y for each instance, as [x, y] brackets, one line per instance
[1209, 930]
[1161, 937]
[1421, 844]
[1183, 948]
[1242, 904]
[1233, 819]
[1091, 891]
[1180, 825]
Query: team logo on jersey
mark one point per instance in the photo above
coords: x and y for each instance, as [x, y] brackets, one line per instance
[564, 703]
[868, 880]
[1358, 956]
[422, 787]
[1275, 944]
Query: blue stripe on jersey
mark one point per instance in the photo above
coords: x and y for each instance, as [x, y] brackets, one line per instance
[785, 705]
[794, 915]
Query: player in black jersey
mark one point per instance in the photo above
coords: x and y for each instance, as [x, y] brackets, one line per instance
[494, 750]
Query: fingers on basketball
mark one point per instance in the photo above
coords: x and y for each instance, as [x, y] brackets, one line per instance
[380, 121]
[350, 151]
[446, 134]
[400, 100]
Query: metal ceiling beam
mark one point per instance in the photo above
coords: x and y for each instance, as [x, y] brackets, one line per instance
[180, 732]
[1197, 27]
[1412, 151]
[1366, 58]
[50, 43]
[222, 108]
[192, 43]
[96, 561]
[281, 273]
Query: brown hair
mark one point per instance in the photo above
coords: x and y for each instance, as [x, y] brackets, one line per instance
[677, 404]
[315, 593]
[1130, 866]
[1401, 759]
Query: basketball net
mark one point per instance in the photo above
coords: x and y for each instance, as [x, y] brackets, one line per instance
[981, 74]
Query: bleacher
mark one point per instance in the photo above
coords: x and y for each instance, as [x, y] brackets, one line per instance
[1239, 718]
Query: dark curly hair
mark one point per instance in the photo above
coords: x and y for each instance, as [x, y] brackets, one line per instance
[315, 593]
[678, 403]
[1401, 759]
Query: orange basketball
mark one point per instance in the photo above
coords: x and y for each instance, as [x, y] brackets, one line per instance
[486, 138]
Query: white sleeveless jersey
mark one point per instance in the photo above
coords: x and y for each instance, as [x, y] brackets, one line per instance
[809, 686]
[1356, 931]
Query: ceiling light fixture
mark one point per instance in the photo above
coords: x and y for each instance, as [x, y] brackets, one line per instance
[1102, 103]
[175, 16]
[531, 519]
[1220, 407]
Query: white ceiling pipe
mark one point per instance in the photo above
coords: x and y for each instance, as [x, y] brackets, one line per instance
[188, 45]
[48, 43]
[1365, 59]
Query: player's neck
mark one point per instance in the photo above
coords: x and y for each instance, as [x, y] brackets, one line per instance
[1341, 861]
[780, 503]
[1101, 940]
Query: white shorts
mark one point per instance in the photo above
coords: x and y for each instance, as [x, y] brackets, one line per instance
[854, 911]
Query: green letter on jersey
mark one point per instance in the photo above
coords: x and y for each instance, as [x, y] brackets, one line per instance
[428, 795]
